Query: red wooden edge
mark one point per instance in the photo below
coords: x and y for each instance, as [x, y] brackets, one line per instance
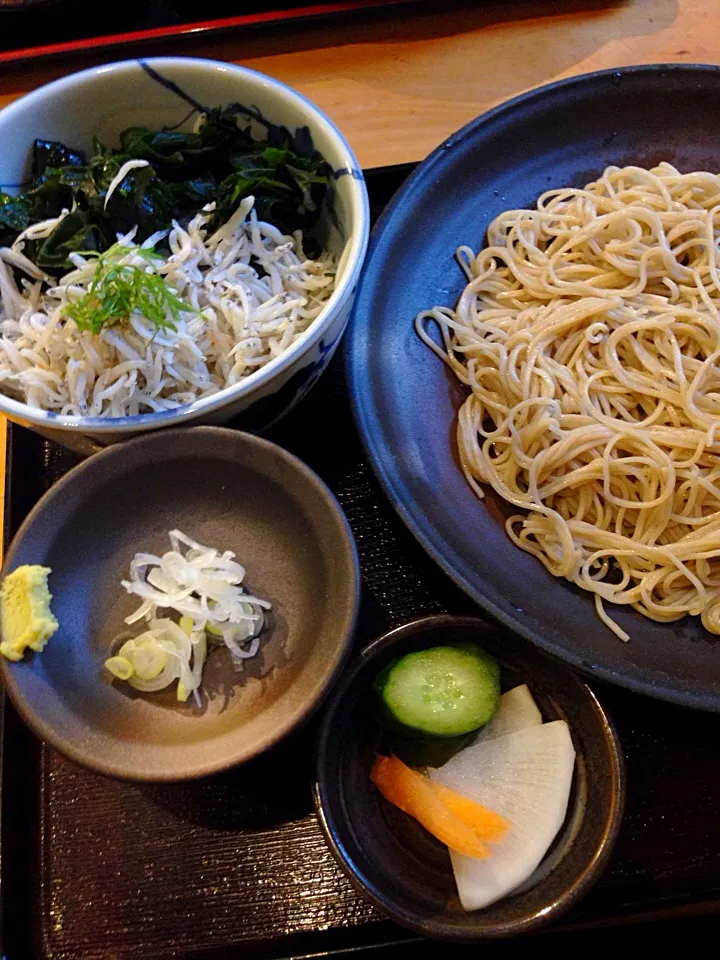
[190, 29]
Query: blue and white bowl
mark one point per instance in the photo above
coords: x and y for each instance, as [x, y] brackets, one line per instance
[170, 91]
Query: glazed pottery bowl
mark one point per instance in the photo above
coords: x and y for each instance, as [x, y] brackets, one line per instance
[405, 870]
[172, 92]
[225, 489]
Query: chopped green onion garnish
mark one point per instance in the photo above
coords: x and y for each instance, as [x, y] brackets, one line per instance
[120, 667]
[118, 290]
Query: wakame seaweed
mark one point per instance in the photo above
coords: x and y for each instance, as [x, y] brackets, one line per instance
[219, 162]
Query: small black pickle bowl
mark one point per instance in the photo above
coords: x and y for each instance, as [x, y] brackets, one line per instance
[405, 870]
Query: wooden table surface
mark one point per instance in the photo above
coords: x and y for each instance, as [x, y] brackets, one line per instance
[397, 84]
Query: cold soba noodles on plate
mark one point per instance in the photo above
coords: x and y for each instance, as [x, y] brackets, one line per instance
[589, 336]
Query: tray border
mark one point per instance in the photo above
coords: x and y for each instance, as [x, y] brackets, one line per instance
[202, 28]
[632, 914]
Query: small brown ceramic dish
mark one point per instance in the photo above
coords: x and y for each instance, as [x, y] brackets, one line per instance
[400, 866]
[226, 489]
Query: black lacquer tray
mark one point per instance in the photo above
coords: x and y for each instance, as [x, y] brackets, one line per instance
[94, 869]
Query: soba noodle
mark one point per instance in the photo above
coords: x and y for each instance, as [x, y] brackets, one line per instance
[589, 336]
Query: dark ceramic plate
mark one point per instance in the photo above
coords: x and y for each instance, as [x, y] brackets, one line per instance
[223, 488]
[405, 400]
[402, 867]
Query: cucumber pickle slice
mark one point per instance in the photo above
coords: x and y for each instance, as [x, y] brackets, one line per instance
[443, 692]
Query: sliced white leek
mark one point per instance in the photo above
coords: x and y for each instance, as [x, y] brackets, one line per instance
[205, 588]
[199, 583]
[158, 657]
[119, 667]
[148, 658]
